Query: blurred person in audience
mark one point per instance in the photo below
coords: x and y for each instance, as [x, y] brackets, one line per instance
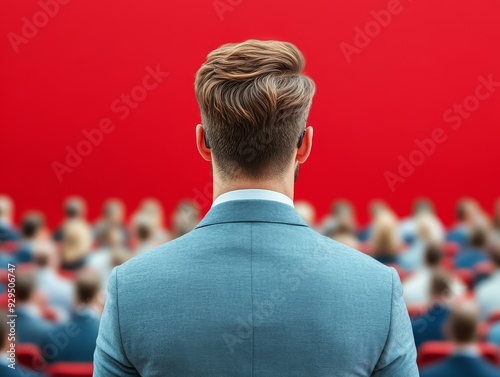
[409, 227]
[6, 346]
[384, 241]
[31, 326]
[75, 210]
[58, 290]
[427, 232]
[76, 244]
[109, 256]
[307, 212]
[185, 218]
[375, 207]
[340, 207]
[345, 231]
[7, 230]
[488, 291]
[113, 216]
[466, 360]
[476, 253]
[494, 334]
[32, 229]
[81, 330]
[153, 209]
[416, 287]
[430, 326]
[495, 222]
[144, 233]
[460, 232]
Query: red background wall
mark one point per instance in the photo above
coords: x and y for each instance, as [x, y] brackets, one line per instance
[366, 113]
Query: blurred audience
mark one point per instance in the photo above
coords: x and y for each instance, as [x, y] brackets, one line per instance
[476, 253]
[409, 227]
[75, 210]
[76, 244]
[31, 327]
[306, 211]
[113, 217]
[466, 360]
[488, 292]
[416, 287]
[185, 218]
[7, 230]
[430, 326]
[384, 241]
[79, 334]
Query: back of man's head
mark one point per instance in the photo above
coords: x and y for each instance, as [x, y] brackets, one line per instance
[495, 255]
[478, 237]
[25, 287]
[87, 286]
[463, 323]
[440, 287]
[254, 103]
[74, 207]
[433, 255]
[31, 224]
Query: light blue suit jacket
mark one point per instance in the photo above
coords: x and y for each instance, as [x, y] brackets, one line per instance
[254, 291]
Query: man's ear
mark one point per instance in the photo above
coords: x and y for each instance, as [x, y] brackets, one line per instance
[304, 150]
[201, 144]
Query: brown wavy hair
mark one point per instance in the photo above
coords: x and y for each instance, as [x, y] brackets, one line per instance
[254, 102]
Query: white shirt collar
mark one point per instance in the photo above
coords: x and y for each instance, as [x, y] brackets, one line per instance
[253, 194]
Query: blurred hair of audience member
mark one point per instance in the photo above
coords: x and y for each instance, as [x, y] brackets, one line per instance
[185, 218]
[340, 208]
[113, 216]
[7, 230]
[416, 288]
[77, 337]
[469, 257]
[466, 360]
[459, 233]
[33, 235]
[8, 351]
[385, 242]
[31, 326]
[59, 291]
[495, 223]
[76, 244]
[488, 291]
[153, 209]
[430, 326]
[144, 230]
[307, 212]
[408, 227]
[428, 231]
[374, 208]
[74, 208]
[345, 230]
[109, 256]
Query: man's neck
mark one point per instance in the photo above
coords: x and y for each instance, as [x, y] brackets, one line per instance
[224, 187]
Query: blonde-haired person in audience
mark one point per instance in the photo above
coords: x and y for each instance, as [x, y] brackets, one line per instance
[7, 230]
[428, 232]
[416, 287]
[76, 244]
[75, 209]
[109, 256]
[375, 207]
[113, 216]
[153, 209]
[385, 242]
[340, 208]
[306, 211]
[185, 218]
[408, 227]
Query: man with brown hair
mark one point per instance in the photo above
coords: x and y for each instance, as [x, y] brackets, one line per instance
[466, 360]
[253, 290]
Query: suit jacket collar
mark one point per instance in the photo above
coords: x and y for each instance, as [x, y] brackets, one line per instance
[249, 211]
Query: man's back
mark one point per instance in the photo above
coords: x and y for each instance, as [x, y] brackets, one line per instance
[253, 291]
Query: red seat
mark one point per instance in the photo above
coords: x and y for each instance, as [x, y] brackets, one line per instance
[30, 356]
[416, 310]
[466, 277]
[431, 352]
[484, 268]
[70, 370]
[9, 246]
[450, 249]
[4, 277]
[494, 317]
